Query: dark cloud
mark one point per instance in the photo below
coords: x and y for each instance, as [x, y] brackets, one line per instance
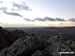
[28, 19]
[21, 6]
[39, 19]
[12, 13]
[59, 19]
[45, 19]
[3, 8]
[72, 19]
[13, 7]
[49, 19]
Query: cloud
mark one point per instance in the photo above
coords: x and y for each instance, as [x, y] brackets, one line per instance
[3, 8]
[12, 13]
[72, 19]
[49, 19]
[39, 19]
[59, 19]
[45, 19]
[22, 6]
[28, 19]
[12, 7]
[1, 1]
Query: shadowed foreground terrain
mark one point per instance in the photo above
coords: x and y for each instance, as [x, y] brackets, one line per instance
[19, 43]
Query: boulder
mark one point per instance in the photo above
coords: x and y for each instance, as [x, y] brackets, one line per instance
[38, 53]
[24, 46]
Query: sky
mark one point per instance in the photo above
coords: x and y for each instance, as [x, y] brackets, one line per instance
[37, 13]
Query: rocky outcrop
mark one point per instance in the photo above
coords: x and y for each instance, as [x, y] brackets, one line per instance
[16, 34]
[18, 43]
[56, 45]
[4, 41]
[24, 46]
[8, 37]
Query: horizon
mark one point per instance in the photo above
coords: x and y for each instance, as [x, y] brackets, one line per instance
[37, 13]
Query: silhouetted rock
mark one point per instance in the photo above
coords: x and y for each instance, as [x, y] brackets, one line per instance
[16, 34]
[8, 37]
[4, 41]
[1, 28]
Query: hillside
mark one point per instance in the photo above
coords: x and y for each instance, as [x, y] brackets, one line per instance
[20, 43]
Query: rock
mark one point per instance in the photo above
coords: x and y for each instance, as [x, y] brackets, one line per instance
[18, 43]
[1, 28]
[56, 45]
[8, 37]
[16, 34]
[38, 53]
[25, 46]
[4, 41]
[51, 51]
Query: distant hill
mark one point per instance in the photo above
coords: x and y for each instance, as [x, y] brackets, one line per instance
[67, 32]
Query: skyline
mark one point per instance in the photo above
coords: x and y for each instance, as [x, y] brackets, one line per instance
[35, 13]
